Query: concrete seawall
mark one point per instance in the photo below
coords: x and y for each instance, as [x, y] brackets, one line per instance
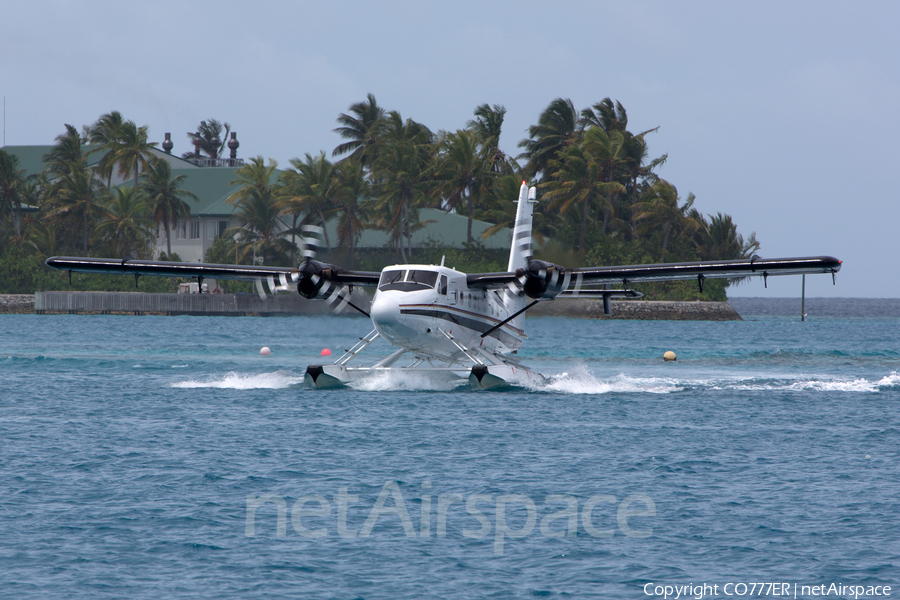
[17, 303]
[638, 309]
[293, 304]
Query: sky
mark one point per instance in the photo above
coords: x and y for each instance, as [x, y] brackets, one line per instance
[781, 114]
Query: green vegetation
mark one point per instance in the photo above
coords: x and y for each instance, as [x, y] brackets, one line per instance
[601, 200]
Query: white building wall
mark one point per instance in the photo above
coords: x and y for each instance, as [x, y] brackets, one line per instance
[191, 238]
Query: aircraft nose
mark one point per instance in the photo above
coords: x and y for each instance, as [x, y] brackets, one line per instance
[385, 313]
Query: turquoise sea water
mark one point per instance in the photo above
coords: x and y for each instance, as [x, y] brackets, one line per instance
[132, 447]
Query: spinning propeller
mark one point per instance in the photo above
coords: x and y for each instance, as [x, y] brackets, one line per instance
[541, 280]
[317, 280]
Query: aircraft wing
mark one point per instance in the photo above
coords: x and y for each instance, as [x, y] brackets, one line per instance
[157, 268]
[545, 280]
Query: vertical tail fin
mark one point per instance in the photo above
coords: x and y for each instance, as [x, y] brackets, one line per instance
[520, 249]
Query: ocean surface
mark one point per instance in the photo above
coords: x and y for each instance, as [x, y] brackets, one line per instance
[164, 457]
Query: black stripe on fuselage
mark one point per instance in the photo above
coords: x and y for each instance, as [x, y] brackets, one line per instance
[437, 312]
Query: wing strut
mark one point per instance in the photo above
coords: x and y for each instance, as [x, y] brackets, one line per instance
[505, 321]
[358, 308]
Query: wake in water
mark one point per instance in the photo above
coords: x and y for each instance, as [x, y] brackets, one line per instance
[582, 381]
[579, 380]
[812, 383]
[408, 381]
[892, 381]
[236, 381]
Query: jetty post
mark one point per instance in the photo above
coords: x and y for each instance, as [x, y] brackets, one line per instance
[803, 299]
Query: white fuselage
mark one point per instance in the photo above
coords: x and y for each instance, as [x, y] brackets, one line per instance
[418, 306]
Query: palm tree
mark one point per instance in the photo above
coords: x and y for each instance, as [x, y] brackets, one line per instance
[486, 126]
[721, 241]
[584, 173]
[660, 214]
[606, 115]
[211, 138]
[74, 195]
[607, 150]
[67, 151]
[308, 191]
[401, 173]
[556, 129]
[258, 201]
[42, 236]
[636, 172]
[125, 222]
[255, 174]
[165, 197]
[361, 129]
[105, 134]
[130, 150]
[497, 206]
[260, 232]
[460, 173]
[13, 183]
[350, 191]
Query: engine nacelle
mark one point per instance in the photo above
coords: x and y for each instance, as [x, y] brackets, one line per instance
[540, 279]
[314, 280]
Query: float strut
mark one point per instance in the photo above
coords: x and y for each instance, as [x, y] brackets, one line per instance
[765, 279]
[700, 279]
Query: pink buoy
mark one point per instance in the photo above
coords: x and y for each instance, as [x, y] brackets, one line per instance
[326, 352]
[265, 351]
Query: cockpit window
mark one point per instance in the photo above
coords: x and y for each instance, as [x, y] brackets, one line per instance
[389, 277]
[426, 278]
[407, 281]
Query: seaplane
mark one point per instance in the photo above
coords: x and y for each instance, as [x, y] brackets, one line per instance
[444, 322]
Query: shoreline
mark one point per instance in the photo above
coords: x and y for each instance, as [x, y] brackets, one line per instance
[138, 303]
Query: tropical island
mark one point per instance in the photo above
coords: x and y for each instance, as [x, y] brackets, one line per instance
[107, 190]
